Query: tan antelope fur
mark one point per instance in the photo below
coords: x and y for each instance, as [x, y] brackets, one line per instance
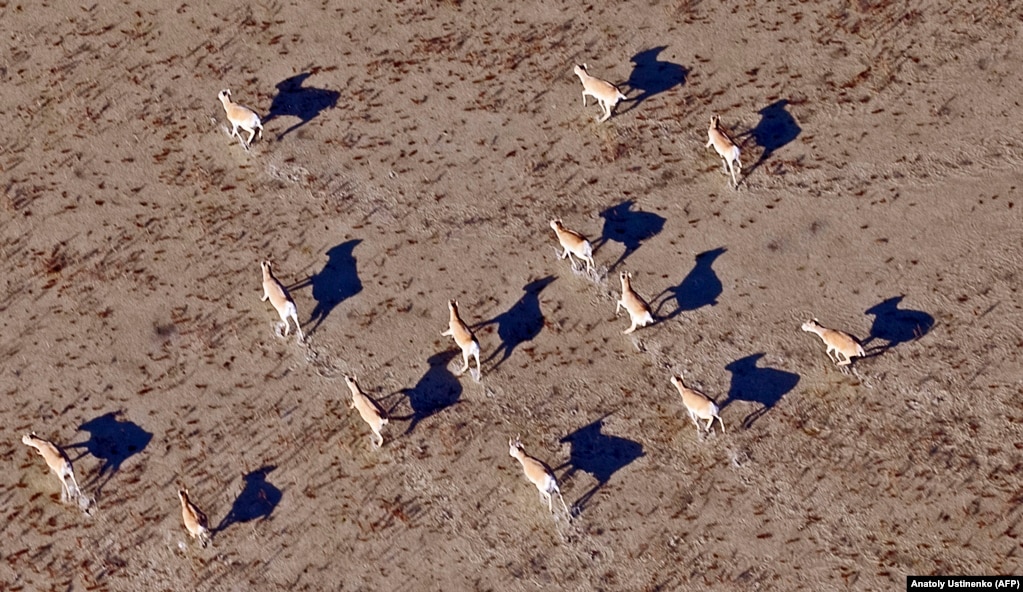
[240, 117]
[606, 93]
[459, 331]
[639, 310]
[371, 413]
[836, 341]
[59, 463]
[274, 291]
[725, 147]
[573, 243]
[538, 474]
[195, 521]
[699, 405]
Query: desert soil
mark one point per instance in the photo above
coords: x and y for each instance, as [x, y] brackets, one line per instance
[414, 152]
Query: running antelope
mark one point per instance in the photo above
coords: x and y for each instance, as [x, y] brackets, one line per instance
[573, 243]
[371, 413]
[836, 341]
[59, 463]
[240, 117]
[538, 474]
[725, 147]
[606, 93]
[281, 301]
[195, 521]
[459, 331]
[699, 405]
[639, 310]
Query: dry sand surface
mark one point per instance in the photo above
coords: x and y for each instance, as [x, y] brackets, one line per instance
[414, 152]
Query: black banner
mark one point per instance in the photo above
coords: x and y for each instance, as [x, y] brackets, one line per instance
[920, 583]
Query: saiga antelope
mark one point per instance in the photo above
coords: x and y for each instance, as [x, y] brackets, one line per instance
[606, 93]
[699, 405]
[195, 521]
[837, 342]
[639, 310]
[459, 331]
[59, 463]
[573, 243]
[240, 117]
[538, 474]
[371, 413]
[725, 147]
[274, 291]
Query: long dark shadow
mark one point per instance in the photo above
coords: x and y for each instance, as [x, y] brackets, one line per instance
[775, 129]
[520, 323]
[295, 100]
[701, 287]
[765, 386]
[437, 390]
[651, 76]
[257, 500]
[113, 442]
[598, 454]
[628, 227]
[896, 325]
[335, 283]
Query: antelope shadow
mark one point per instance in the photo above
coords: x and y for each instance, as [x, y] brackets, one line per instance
[651, 76]
[598, 454]
[437, 390]
[335, 283]
[896, 325]
[628, 227]
[701, 287]
[257, 500]
[303, 102]
[765, 386]
[775, 129]
[520, 323]
[112, 441]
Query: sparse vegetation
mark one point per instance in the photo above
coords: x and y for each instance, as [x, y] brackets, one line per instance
[131, 232]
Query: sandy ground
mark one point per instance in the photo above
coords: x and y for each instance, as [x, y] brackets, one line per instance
[413, 152]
